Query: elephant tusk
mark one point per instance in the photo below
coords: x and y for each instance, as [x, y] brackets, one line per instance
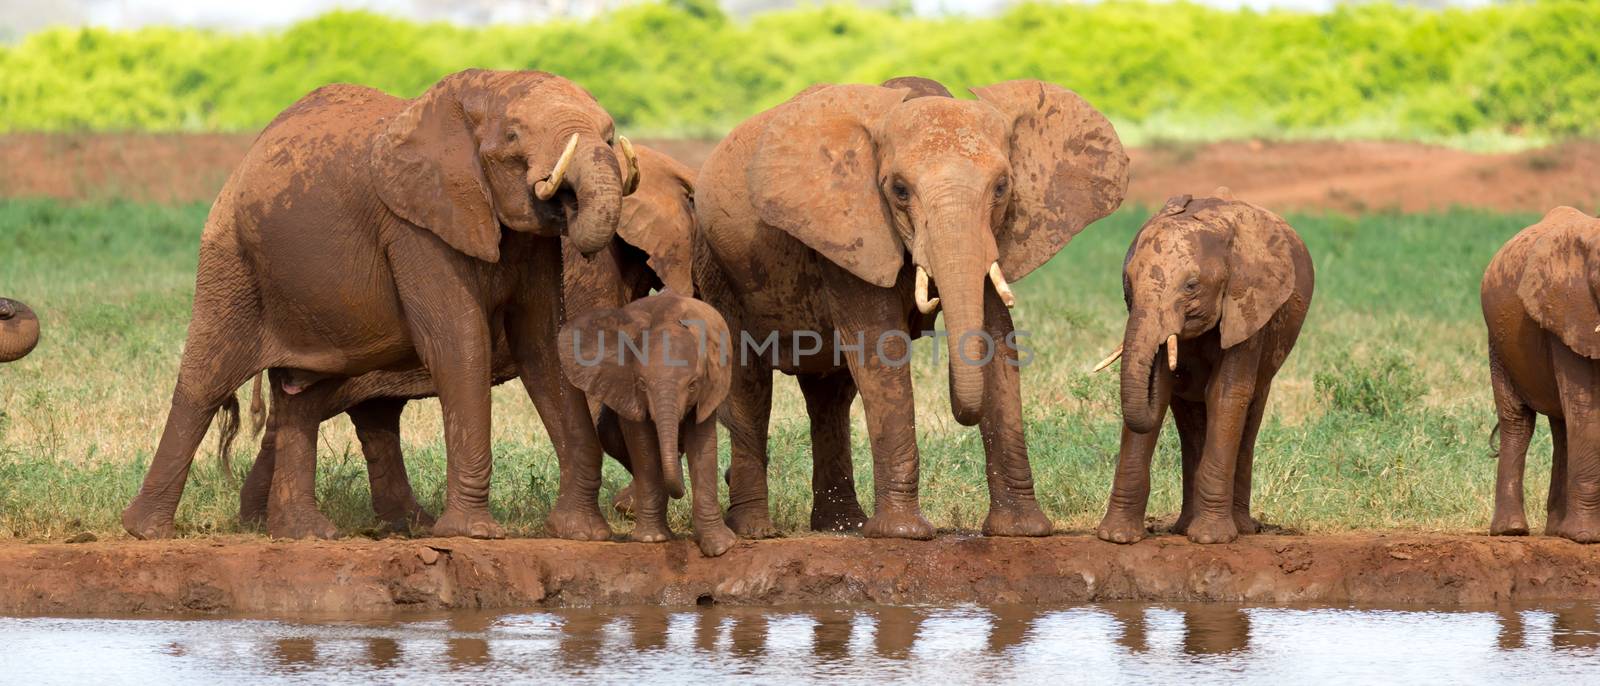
[1113, 357]
[631, 182]
[925, 304]
[1172, 352]
[1000, 285]
[547, 188]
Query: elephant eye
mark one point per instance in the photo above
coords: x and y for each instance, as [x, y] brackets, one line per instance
[1000, 188]
[511, 135]
[900, 191]
[1192, 285]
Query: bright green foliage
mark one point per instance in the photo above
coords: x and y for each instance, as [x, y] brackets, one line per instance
[1172, 70]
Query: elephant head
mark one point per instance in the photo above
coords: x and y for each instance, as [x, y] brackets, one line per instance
[1560, 281]
[524, 150]
[662, 359]
[19, 330]
[1197, 265]
[971, 192]
[659, 220]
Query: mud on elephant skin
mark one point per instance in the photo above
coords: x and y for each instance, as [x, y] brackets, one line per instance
[858, 212]
[651, 250]
[1539, 304]
[1217, 290]
[19, 330]
[365, 232]
[662, 365]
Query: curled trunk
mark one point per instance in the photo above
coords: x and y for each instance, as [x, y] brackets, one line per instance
[667, 412]
[1144, 382]
[19, 330]
[596, 182]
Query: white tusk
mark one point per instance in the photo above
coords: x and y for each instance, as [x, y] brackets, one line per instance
[1001, 287]
[1113, 357]
[631, 182]
[547, 188]
[925, 304]
[1172, 352]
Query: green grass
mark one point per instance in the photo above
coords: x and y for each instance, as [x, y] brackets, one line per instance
[1380, 420]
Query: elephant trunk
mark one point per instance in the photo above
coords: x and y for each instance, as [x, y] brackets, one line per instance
[1144, 383]
[19, 330]
[959, 267]
[666, 410]
[596, 181]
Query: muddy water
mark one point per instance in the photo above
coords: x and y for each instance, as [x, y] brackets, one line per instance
[1089, 644]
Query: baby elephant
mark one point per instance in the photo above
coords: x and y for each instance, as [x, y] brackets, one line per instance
[1231, 282]
[1539, 301]
[19, 330]
[661, 365]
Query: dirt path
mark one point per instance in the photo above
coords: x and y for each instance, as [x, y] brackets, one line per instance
[1341, 176]
[251, 575]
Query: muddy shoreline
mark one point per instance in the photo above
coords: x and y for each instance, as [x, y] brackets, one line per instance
[254, 576]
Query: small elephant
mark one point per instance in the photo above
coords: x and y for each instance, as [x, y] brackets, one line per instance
[1232, 283]
[365, 232]
[19, 330]
[1539, 302]
[662, 364]
[650, 251]
[855, 213]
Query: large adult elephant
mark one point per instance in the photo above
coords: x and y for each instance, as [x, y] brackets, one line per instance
[19, 330]
[651, 250]
[843, 212]
[364, 232]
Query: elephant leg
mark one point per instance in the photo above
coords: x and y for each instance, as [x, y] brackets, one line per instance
[292, 503]
[1576, 379]
[1130, 487]
[1556, 502]
[608, 428]
[1246, 463]
[1229, 397]
[1190, 418]
[713, 534]
[222, 352]
[649, 497]
[1013, 507]
[377, 425]
[258, 483]
[746, 413]
[834, 506]
[563, 409]
[1516, 431]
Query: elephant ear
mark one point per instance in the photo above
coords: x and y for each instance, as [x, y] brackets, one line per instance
[814, 175]
[658, 218]
[591, 357]
[1261, 271]
[716, 372]
[1068, 169]
[1558, 278]
[425, 165]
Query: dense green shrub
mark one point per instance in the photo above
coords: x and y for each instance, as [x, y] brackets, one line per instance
[1177, 70]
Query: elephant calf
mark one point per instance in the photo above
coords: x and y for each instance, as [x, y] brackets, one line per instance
[661, 364]
[1232, 283]
[1544, 339]
[19, 330]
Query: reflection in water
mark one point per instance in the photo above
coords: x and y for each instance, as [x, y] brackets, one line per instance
[1111, 643]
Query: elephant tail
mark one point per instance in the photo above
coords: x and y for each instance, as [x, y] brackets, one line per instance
[228, 429]
[258, 407]
[1494, 439]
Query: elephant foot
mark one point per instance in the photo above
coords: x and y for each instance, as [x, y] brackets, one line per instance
[650, 532]
[1117, 528]
[898, 524]
[622, 501]
[715, 538]
[1180, 526]
[474, 523]
[1581, 528]
[1245, 524]
[1552, 526]
[838, 517]
[1211, 529]
[252, 513]
[1021, 519]
[408, 519]
[303, 521]
[576, 524]
[1509, 525]
[143, 522]
[751, 521]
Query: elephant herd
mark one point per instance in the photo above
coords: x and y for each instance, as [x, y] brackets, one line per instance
[370, 250]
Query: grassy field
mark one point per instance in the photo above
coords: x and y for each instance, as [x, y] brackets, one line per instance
[1380, 420]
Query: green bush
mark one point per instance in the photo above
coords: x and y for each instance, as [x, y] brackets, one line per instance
[682, 67]
[1380, 388]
